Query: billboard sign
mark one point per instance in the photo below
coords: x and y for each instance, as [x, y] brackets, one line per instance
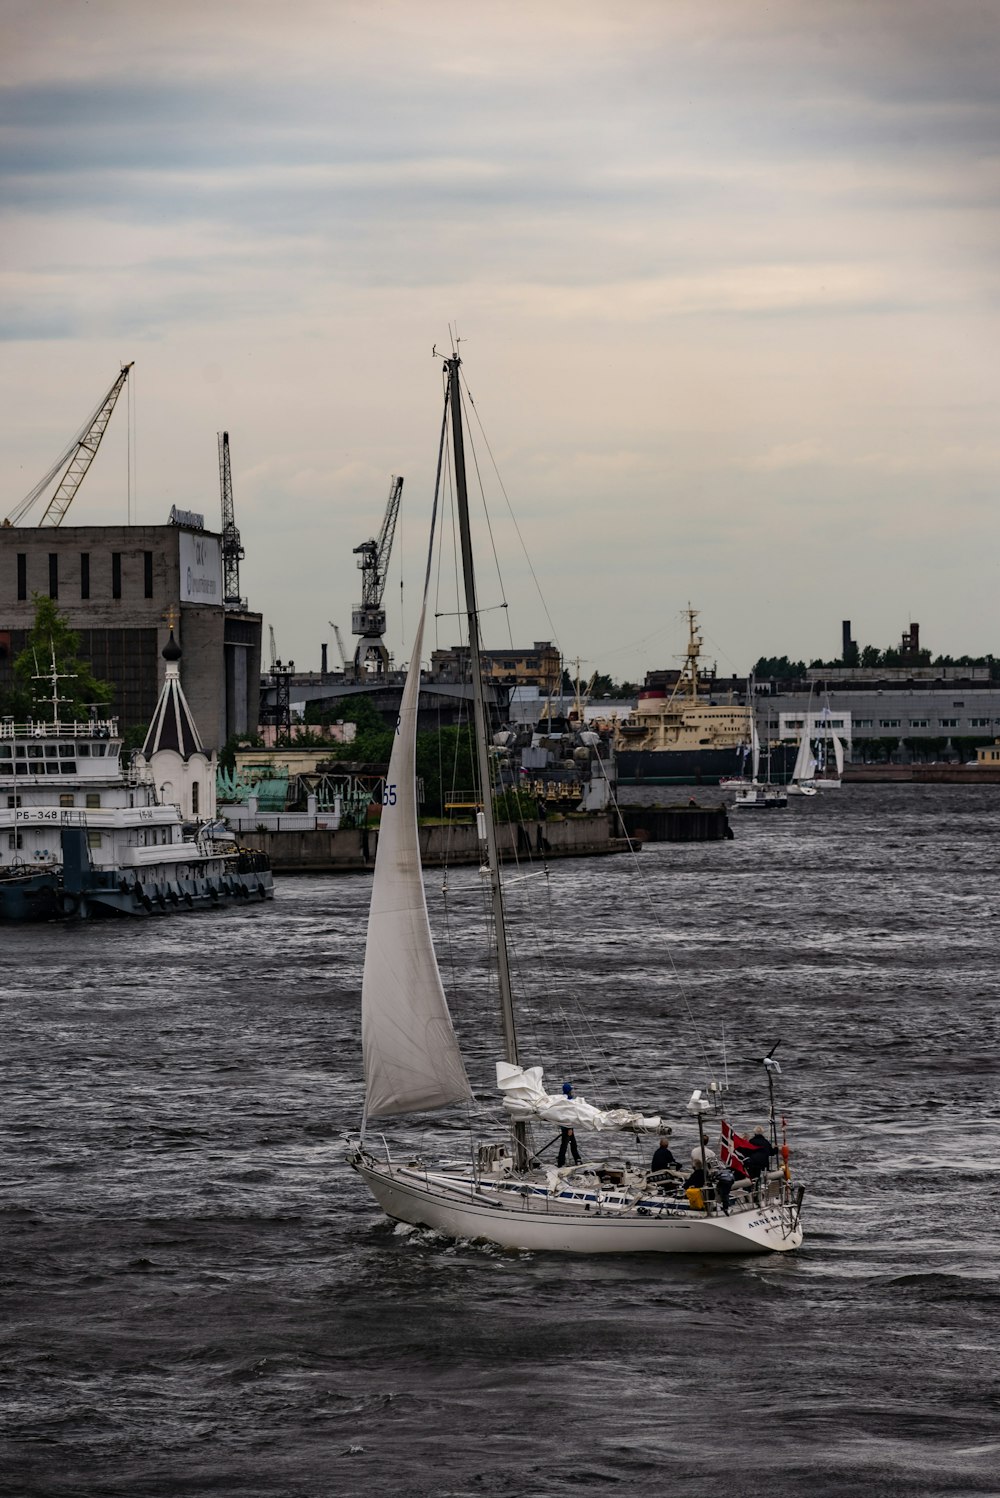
[201, 568]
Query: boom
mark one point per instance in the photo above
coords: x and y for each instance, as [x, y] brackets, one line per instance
[80, 453]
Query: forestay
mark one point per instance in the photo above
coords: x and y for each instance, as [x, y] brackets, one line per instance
[411, 1057]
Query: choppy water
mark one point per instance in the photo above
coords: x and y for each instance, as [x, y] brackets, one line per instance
[199, 1298]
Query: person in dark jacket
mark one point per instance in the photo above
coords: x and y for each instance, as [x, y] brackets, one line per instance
[758, 1156]
[567, 1139]
[663, 1157]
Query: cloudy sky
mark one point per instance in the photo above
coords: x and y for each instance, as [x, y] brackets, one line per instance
[727, 274]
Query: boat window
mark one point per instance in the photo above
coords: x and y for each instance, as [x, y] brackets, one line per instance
[93, 838]
[83, 750]
[52, 751]
[20, 769]
[66, 798]
[68, 766]
[93, 799]
[20, 751]
[98, 749]
[5, 751]
[53, 768]
[35, 751]
[67, 751]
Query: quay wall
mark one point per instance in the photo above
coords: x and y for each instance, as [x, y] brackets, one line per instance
[922, 774]
[323, 851]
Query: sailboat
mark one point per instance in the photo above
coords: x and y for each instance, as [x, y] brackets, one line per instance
[756, 795]
[501, 1191]
[829, 777]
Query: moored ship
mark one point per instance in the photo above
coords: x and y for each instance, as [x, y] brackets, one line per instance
[84, 834]
[683, 734]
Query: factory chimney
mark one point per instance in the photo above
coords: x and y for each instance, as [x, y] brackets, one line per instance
[322, 666]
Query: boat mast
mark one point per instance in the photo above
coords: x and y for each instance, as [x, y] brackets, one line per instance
[482, 735]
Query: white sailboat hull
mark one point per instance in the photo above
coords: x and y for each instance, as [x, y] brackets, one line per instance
[531, 1219]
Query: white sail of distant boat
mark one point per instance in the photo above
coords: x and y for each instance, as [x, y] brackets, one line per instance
[501, 1189]
[757, 796]
[828, 778]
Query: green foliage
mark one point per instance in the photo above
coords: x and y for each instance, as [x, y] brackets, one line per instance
[52, 638]
[446, 763]
[510, 805]
[373, 741]
[779, 668]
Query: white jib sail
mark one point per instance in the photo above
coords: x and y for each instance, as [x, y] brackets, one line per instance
[411, 1057]
[838, 753]
[805, 764]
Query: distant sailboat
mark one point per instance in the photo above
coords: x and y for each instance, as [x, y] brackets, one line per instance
[499, 1189]
[759, 795]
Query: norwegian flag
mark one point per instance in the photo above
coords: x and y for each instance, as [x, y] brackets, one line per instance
[729, 1144]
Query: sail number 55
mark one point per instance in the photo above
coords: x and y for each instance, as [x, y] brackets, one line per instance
[389, 795]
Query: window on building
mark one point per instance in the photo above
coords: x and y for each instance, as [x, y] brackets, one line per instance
[918, 722]
[93, 799]
[949, 722]
[864, 722]
[147, 573]
[888, 722]
[116, 574]
[53, 574]
[979, 722]
[85, 574]
[22, 574]
[194, 797]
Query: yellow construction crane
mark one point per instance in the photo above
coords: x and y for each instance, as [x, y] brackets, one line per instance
[73, 462]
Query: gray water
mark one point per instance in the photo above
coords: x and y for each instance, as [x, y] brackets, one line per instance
[200, 1298]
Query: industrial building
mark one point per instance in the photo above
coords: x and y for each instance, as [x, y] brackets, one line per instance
[118, 587]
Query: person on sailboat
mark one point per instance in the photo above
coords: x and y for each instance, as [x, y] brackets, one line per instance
[663, 1157]
[757, 1157]
[567, 1139]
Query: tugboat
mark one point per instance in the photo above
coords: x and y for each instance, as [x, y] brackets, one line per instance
[85, 835]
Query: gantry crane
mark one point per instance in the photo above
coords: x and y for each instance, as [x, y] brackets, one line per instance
[75, 460]
[368, 619]
[232, 551]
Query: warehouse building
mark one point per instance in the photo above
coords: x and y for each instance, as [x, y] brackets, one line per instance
[119, 587]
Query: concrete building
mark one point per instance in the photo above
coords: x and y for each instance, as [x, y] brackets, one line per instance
[541, 666]
[118, 586]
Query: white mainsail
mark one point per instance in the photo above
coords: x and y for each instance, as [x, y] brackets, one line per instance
[411, 1056]
[805, 764]
[754, 738]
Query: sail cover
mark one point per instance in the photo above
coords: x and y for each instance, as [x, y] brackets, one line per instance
[411, 1057]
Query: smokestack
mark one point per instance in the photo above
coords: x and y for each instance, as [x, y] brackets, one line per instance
[322, 667]
[847, 641]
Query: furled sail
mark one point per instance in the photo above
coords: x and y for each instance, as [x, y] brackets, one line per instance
[524, 1098]
[411, 1057]
[754, 738]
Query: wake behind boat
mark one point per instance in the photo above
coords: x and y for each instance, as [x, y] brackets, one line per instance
[500, 1189]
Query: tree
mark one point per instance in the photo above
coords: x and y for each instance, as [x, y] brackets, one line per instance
[52, 640]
